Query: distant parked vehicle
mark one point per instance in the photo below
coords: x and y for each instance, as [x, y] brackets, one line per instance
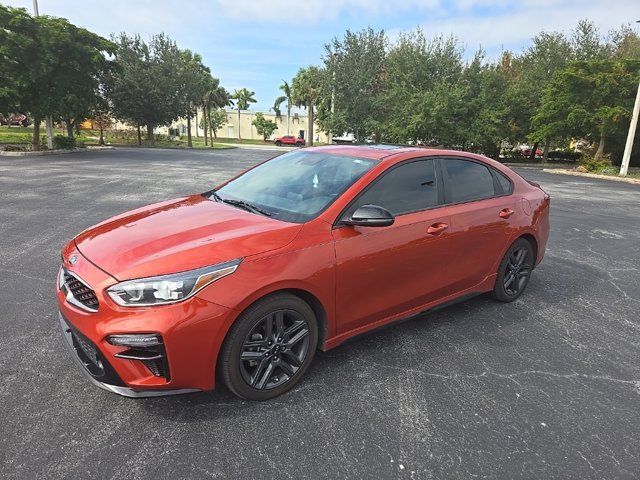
[345, 138]
[289, 140]
[527, 152]
[564, 156]
[17, 120]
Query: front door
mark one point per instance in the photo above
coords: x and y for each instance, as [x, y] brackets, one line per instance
[383, 271]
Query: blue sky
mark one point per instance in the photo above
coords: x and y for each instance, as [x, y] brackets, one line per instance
[257, 43]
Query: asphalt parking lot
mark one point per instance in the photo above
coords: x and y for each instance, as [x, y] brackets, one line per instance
[545, 387]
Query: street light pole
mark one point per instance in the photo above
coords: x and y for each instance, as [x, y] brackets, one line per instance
[48, 120]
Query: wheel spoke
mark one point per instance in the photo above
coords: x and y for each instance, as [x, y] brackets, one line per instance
[522, 255]
[279, 323]
[509, 280]
[286, 368]
[247, 356]
[264, 377]
[292, 358]
[294, 328]
[254, 343]
[296, 338]
[268, 328]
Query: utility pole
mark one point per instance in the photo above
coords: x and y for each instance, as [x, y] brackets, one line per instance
[624, 167]
[49, 120]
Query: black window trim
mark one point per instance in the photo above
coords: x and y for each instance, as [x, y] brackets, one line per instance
[492, 171]
[337, 223]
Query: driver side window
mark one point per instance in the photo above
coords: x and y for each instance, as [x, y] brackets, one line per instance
[407, 188]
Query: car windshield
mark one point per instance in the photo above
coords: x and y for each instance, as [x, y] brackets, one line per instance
[294, 187]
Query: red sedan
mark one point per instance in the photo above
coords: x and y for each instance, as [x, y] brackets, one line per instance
[245, 282]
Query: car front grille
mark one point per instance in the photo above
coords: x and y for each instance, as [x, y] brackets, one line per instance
[78, 292]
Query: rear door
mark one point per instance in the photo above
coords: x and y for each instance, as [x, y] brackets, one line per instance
[382, 271]
[482, 211]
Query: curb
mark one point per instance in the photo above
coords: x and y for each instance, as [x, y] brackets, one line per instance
[634, 181]
[52, 152]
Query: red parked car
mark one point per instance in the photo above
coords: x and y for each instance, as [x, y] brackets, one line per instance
[289, 140]
[245, 282]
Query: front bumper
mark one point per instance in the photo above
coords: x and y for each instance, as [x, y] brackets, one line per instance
[192, 333]
[112, 382]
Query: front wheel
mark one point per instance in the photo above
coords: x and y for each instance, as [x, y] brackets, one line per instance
[514, 271]
[278, 144]
[298, 144]
[269, 348]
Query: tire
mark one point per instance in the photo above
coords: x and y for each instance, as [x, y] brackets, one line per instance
[298, 144]
[278, 144]
[271, 363]
[514, 271]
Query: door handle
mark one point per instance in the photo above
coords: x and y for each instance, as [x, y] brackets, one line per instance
[437, 228]
[506, 212]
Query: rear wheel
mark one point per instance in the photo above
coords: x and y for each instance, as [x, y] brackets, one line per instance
[298, 144]
[278, 144]
[269, 348]
[514, 271]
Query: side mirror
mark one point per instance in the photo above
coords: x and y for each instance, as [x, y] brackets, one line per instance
[370, 216]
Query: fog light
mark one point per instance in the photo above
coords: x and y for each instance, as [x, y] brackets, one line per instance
[135, 341]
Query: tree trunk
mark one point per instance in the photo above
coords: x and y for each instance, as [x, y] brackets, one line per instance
[212, 133]
[139, 136]
[197, 124]
[101, 142]
[189, 142]
[37, 119]
[239, 137]
[288, 117]
[600, 151]
[150, 138]
[532, 155]
[545, 154]
[205, 118]
[310, 125]
[69, 123]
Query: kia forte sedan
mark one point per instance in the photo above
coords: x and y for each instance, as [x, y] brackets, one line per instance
[242, 284]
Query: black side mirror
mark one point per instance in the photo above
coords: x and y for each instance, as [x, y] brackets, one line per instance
[370, 216]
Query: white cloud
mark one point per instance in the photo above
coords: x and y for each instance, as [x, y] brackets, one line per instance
[313, 11]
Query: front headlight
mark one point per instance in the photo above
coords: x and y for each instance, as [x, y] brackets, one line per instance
[166, 289]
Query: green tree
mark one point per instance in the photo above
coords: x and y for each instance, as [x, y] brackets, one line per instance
[243, 98]
[305, 91]
[196, 81]
[149, 87]
[276, 105]
[356, 63]
[49, 67]
[215, 98]
[590, 100]
[286, 89]
[264, 126]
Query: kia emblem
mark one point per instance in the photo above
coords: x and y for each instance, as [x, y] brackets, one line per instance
[73, 259]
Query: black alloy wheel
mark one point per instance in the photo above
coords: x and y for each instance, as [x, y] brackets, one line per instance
[269, 347]
[515, 271]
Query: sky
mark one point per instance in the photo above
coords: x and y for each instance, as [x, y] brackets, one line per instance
[258, 43]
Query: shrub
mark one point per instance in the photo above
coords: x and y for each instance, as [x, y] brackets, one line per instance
[15, 148]
[594, 166]
[63, 142]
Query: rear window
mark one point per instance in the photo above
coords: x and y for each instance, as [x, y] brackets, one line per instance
[468, 181]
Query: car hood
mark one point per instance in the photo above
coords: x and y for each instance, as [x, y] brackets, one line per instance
[180, 235]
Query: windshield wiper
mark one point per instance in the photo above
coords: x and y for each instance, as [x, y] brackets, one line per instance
[242, 204]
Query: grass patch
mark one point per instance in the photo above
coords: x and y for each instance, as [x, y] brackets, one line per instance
[24, 136]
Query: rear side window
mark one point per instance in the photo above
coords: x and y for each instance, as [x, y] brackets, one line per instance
[505, 184]
[468, 181]
[407, 188]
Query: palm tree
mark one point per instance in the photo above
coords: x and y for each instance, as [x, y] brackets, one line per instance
[216, 97]
[286, 89]
[305, 91]
[243, 98]
[276, 106]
